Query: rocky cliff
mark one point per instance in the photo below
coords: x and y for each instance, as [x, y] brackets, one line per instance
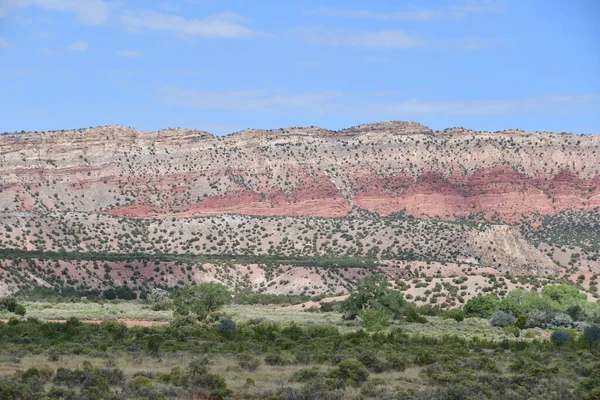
[383, 168]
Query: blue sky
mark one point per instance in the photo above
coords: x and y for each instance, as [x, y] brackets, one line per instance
[227, 65]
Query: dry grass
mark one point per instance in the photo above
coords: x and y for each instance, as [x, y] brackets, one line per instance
[94, 311]
[265, 378]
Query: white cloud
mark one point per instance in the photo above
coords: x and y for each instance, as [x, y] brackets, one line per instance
[419, 15]
[224, 25]
[388, 39]
[130, 53]
[46, 51]
[80, 45]
[461, 10]
[476, 7]
[3, 43]
[377, 104]
[169, 7]
[88, 12]
[46, 36]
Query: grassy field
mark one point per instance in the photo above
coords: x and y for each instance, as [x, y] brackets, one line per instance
[93, 311]
[137, 311]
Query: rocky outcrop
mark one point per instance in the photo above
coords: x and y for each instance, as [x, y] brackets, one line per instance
[384, 168]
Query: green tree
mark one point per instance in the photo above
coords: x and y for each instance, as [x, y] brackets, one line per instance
[201, 299]
[563, 294]
[371, 292]
[509, 306]
[560, 337]
[591, 334]
[481, 306]
[534, 301]
[10, 304]
[375, 319]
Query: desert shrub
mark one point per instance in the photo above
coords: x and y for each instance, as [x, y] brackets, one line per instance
[512, 330]
[458, 315]
[374, 319]
[226, 327]
[322, 389]
[373, 388]
[306, 374]
[248, 362]
[371, 360]
[529, 335]
[163, 305]
[157, 295]
[276, 359]
[500, 318]
[140, 387]
[213, 386]
[521, 321]
[10, 304]
[350, 372]
[589, 389]
[424, 357]
[153, 343]
[548, 320]
[560, 337]
[414, 317]
[581, 325]
[591, 335]
[53, 355]
[395, 361]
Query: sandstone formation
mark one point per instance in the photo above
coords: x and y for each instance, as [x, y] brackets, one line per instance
[384, 168]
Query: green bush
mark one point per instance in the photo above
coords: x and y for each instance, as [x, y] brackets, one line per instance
[481, 306]
[502, 319]
[374, 319]
[560, 337]
[10, 304]
[226, 327]
[248, 362]
[521, 321]
[591, 335]
[350, 372]
[414, 317]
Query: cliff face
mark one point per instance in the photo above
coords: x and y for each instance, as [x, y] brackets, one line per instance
[60, 194]
[383, 168]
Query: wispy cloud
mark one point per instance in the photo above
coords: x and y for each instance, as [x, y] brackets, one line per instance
[80, 45]
[88, 12]
[252, 100]
[476, 7]
[46, 51]
[386, 39]
[390, 39]
[130, 53]
[225, 25]
[550, 103]
[419, 15]
[461, 10]
[3, 43]
[377, 104]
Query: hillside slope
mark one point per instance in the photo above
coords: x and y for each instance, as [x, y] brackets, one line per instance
[383, 168]
[296, 210]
